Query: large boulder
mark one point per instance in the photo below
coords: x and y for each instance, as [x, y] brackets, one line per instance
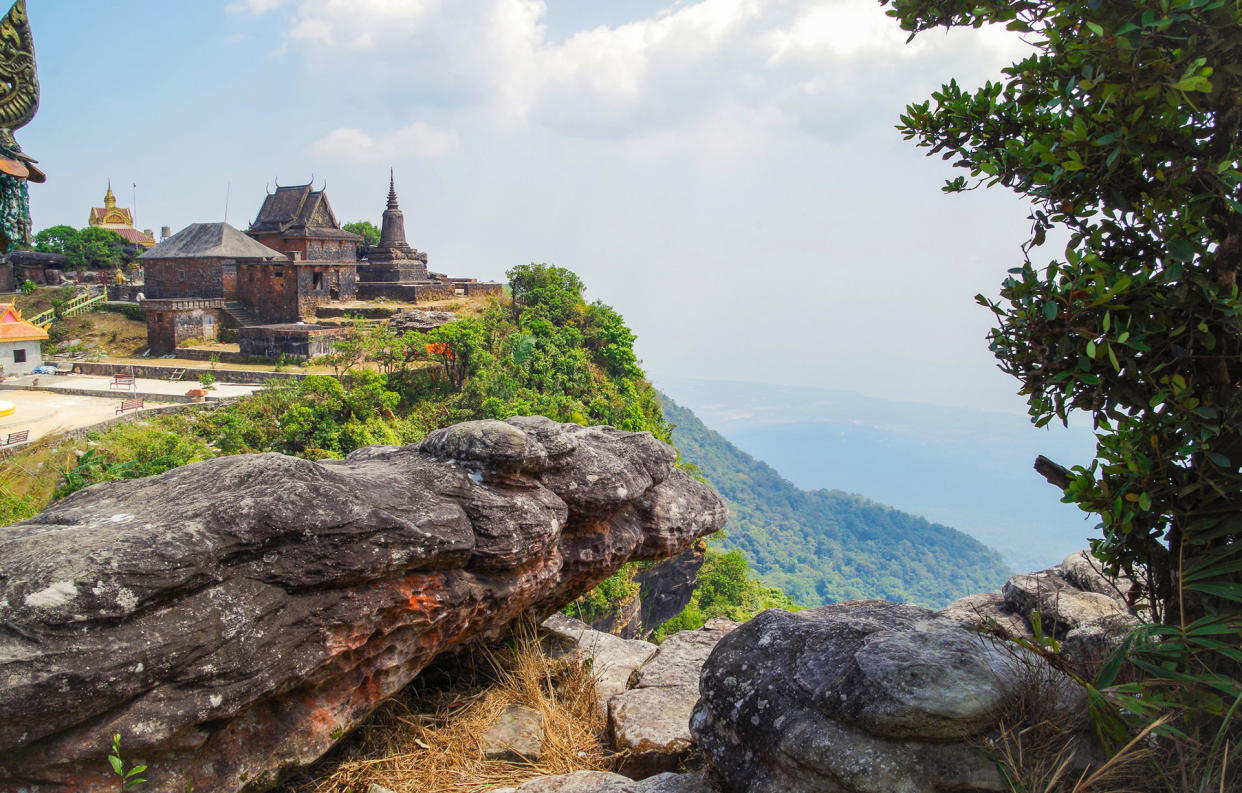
[232, 619]
[861, 697]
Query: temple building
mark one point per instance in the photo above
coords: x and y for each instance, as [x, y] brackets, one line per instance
[393, 259]
[191, 278]
[322, 261]
[118, 219]
[395, 270]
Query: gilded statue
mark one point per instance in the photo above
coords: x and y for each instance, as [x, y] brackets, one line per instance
[19, 99]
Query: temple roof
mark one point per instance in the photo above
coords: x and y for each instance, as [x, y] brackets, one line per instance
[298, 211]
[14, 328]
[211, 240]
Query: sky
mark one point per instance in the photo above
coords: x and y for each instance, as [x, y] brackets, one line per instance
[725, 173]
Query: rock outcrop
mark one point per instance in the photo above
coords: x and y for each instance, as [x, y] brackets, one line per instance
[861, 697]
[420, 319]
[664, 590]
[1073, 602]
[232, 619]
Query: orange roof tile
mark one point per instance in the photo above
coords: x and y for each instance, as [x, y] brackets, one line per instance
[14, 328]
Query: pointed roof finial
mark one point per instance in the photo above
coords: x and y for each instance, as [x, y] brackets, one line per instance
[392, 190]
[109, 198]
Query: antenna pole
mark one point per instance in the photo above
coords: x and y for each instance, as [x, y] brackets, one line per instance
[227, 187]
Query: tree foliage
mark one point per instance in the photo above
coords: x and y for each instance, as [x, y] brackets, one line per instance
[365, 229]
[91, 247]
[1122, 128]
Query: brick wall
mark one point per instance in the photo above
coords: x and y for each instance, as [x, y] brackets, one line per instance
[174, 278]
[269, 290]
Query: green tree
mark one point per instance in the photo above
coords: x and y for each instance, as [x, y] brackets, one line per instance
[92, 247]
[1122, 128]
[544, 290]
[365, 229]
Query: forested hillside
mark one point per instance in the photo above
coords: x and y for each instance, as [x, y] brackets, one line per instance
[822, 546]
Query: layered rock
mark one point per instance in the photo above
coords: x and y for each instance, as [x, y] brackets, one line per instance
[1073, 602]
[664, 590]
[651, 721]
[232, 619]
[861, 697]
[420, 319]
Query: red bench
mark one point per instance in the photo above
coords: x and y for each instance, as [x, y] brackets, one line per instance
[16, 437]
[121, 380]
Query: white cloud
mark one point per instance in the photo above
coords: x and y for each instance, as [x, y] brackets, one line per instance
[254, 6]
[417, 140]
[493, 59]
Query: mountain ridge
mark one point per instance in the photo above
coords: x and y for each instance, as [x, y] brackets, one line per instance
[822, 546]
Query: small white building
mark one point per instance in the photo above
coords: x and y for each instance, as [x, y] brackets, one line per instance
[20, 350]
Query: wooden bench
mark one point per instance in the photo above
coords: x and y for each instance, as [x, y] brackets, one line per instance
[16, 437]
[121, 380]
[130, 404]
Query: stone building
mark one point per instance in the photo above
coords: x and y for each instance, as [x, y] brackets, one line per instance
[395, 270]
[119, 219]
[190, 277]
[20, 341]
[201, 261]
[322, 257]
[171, 322]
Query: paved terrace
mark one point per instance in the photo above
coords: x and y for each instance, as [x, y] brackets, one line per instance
[62, 403]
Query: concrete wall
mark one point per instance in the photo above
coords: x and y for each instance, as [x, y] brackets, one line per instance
[33, 355]
[476, 289]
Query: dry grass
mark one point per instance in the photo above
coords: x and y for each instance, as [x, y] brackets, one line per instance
[1042, 746]
[426, 740]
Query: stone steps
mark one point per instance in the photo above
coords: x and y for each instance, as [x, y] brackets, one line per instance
[241, 315]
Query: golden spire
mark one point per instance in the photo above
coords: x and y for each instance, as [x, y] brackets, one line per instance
[109, 199]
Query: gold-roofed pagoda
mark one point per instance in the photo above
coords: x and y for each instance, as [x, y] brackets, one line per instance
[119, 219]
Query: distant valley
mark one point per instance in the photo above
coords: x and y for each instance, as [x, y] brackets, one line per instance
[824, 546]
[967, 469]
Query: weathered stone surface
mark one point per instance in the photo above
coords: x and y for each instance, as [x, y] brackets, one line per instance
[665, 589]
[1062, 606]
[613, 659]
[603, 782]
[976, 610]
[1087, 573]
[420, 319]
[516, 735]
[863, 697]
[232, 619]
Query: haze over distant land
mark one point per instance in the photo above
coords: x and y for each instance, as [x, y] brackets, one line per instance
[964, 468]
[724, 172]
